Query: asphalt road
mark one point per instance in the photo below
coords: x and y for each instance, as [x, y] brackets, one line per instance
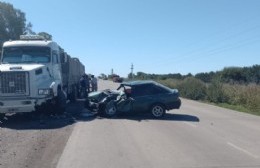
[196, 136]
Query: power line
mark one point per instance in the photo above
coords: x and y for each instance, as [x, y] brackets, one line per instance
[200, 50]
[205, 49]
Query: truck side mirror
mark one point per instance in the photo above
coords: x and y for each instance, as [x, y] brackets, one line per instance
[65, 58]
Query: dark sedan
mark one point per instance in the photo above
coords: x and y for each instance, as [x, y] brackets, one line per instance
[135, 96]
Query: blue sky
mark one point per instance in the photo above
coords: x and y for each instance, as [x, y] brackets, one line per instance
[157, 36]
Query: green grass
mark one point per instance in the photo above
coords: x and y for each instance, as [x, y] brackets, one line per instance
[235, 107]
[242, 98]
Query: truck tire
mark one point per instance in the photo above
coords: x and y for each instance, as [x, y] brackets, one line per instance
[73, 94]
[60, 102]
[47, 108]
[2, 116]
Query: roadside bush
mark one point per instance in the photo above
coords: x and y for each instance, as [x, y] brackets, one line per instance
[240, 97]
[246, 95]
[232, 93]
[215, 92]
[192, 88]
[254, 97]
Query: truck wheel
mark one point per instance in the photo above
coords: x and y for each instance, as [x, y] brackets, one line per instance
[60, 102]
[157, 110]
[2, 116]
[73, 95]
[110, 109]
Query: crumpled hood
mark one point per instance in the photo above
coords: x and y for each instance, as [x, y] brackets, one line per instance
[100, 95]
[19, 67]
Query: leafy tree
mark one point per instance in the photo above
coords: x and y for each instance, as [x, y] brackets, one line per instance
[253, 74]
[240, 75]
[103, 76]
[233, 75]
[12, 22]
[144, 76]
[131, 76]
[28, 29]
[175, 76]
[205, 77]
[112, 76]
[141, 75]
[47, 36]
[188, 75]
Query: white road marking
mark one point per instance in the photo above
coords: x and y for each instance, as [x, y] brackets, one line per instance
[242, 150]
[190, 124]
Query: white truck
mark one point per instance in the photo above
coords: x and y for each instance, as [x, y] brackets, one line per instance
[36, 73]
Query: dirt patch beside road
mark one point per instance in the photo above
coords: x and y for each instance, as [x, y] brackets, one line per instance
[29, 141]
[36, 141]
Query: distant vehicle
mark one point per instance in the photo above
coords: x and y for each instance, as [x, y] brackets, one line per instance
[36, 73]
[103, 77]
[135, 96]
[117, 78]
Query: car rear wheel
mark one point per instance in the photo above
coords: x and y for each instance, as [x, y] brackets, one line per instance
[158, 110]
[110, 109]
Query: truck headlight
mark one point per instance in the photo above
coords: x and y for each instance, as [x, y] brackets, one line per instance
[44, 91]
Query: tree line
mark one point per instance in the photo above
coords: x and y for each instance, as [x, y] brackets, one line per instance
[231, 75]
[13, 24]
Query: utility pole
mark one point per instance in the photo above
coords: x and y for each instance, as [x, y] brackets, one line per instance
[112, 71]
[132, 69]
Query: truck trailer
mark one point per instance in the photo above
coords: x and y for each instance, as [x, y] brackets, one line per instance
[35, 74]
[72, 70]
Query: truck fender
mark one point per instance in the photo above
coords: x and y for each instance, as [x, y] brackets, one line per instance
[54, 87]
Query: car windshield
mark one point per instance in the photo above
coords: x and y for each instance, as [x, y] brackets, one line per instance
[18, 55]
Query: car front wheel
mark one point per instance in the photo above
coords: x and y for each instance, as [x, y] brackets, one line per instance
[158, 110]
[110, 109]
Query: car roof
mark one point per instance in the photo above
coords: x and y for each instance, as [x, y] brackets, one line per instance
[138, 82]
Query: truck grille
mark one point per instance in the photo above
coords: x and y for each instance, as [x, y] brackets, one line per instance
[14, 83]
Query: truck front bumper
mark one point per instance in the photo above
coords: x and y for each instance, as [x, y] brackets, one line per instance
[18, 106]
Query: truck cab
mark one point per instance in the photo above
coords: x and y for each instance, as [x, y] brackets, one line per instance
[30, 74]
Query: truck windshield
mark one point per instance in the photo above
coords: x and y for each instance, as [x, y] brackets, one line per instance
[19, 55]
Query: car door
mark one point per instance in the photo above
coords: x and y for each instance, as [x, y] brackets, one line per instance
[142, 98]
[125, 105]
